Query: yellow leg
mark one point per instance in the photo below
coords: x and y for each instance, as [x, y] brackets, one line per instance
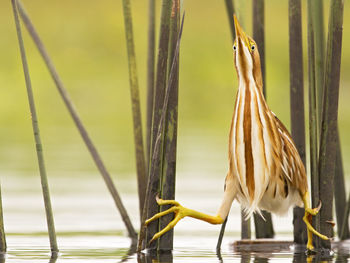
[180, 212]
[309, 212]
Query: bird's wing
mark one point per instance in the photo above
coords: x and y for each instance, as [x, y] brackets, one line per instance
[292, 166]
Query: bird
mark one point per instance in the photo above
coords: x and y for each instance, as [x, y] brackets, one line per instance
[265, 169]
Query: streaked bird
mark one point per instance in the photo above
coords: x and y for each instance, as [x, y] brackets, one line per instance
[265, 169]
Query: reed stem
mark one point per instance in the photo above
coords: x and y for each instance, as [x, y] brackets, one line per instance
[340, 194]
[318, 27]
[37, 138]
[230, 10]
[159, 94]
[342, 231]
[328, 145]
[135, 101]
[263, 228]
[74, 114]
[156, 155]
[170, 133]
[259, 35]
[313, 124]
[150, 77]
[297, 103]
[3, 245]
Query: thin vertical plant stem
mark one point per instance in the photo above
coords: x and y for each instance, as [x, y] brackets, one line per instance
[297, 103]
[259, 35]
[3, 245]
[74, 114]
[150, 76]
[328, 145]
[245, 223]
[168, 177]
[313, 126]
[135, 101]
[342, 231]
[318, 27]
[230, 10]
[340, 194]
[157, 144]
[339, 184]
[263, 228]
[246, 232]
[35, 125]
[159, 93]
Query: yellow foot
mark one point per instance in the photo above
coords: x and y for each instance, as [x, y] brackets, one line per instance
[311, 228]
[180, 212]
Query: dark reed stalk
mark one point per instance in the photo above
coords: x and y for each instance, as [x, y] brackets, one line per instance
[159, 93]
[259, 34]
[150, 76]
[245, 224]
[313, 126]
[3, 245]
[230, 10]
[246, 232]
[340, 194]
[170, 133]
[342, 231]
[263, 228]
[156, 155]
[297, 103]
[74, 114]
[328, 145]
[38, 144]
[135, 101]
[339, 184]
[318, 26]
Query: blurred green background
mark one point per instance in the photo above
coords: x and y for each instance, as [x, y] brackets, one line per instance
[86, 41]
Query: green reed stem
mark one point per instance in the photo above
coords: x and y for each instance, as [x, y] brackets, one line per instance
[328, 145]
[35, 125]
[74, 114]
[159, 94]
[230, 10]
[156, 155]
[150, 77]
[263, 228]
[168, 176]
[313, 125]
[3, 245]
[297, 103]
[135, 101]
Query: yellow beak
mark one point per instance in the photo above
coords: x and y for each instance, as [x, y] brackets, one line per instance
[240, 34]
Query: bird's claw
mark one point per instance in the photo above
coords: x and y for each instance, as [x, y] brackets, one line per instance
[314, 211]
[176, 208]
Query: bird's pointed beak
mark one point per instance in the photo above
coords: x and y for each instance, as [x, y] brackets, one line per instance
[240, 34]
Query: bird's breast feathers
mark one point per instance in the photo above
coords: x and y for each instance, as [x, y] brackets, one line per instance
[256, 155]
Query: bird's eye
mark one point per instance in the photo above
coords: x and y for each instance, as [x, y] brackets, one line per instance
[253, 47]
[234, 47]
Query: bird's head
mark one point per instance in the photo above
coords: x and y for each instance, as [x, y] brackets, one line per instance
[246, 56]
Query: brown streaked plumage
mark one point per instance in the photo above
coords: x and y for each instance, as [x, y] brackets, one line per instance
[265, 169]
